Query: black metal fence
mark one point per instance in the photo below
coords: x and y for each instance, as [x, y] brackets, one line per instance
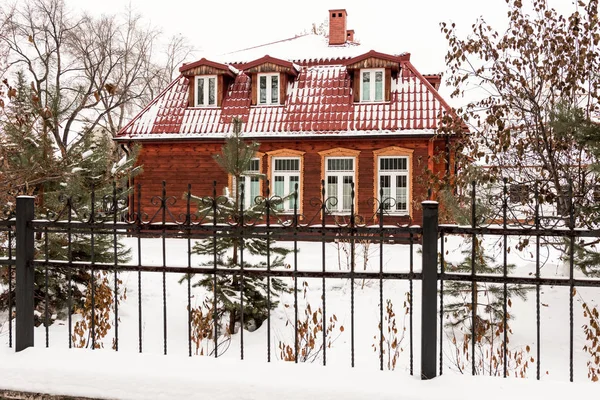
[212, 218]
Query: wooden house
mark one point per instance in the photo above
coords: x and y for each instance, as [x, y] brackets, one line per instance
[322, 108]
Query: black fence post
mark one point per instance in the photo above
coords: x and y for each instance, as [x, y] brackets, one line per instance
[24, 286]
[429, 290]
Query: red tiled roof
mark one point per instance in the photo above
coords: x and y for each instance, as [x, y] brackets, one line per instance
[319, 102]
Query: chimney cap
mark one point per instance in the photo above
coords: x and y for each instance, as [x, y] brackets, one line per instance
[339, 10]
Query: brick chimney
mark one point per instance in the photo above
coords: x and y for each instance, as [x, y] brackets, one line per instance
[337, 27]
[350, 35]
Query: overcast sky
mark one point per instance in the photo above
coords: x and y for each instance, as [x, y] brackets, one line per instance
[405, 25]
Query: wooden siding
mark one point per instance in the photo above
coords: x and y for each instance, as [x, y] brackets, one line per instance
[283, 83]
[254, 89]
[356, 85]
[268, 67]
[373, 62]
[180, 163]
[205, 70]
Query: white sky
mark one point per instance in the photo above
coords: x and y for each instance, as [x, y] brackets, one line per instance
[408, 26]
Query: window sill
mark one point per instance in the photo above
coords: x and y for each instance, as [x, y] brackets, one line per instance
[367, 102]
[396, 214]
[204, 107]
[266, 105]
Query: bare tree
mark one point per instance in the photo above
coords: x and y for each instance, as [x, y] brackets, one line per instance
[86, 72]
[78, 76]
[533, 79]
[543, 63]
[177, 51]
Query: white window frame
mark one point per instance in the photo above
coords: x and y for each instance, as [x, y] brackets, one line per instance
[268, 95]
[372, 72]
[206, 93]
[393, 174]
[340, 175]
[288, 205]
[248, 199]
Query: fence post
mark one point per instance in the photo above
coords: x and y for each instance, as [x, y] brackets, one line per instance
[429, 315]
[24, 286]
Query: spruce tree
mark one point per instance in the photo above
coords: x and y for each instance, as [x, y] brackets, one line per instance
[572, 123]
[96, 179]
[26, 154]
[30, 166]
[489, 298]
[235, 159]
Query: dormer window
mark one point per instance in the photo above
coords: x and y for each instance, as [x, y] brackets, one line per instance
[269, 79]
[206, 91]
[268, 92]
[372, 84]
[372, 73]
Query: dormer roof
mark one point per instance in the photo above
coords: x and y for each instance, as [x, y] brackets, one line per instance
[205, 67]
[374, 59]
[268, 63]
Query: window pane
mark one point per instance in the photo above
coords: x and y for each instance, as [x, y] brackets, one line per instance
[200, 91]
[287, 164]
[393, 164]
[278, 189]
[293, 181]
[332, 193]
[366, 86]
[385, 181]
[263, 90]
[254, 190]
[254, 165]
[274, 89]
[403, 164]
[340, 164]
[211, 91]
[378, 86]
[401, 193]
[347, 195]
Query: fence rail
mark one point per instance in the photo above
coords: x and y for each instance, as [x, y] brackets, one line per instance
[210, 223]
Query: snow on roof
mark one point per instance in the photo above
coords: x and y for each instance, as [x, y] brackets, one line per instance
[319, 101]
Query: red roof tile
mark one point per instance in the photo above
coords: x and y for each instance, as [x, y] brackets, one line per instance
[319, 101]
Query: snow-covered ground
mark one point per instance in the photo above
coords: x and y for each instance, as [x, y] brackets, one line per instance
[72, 371]
[106, 374]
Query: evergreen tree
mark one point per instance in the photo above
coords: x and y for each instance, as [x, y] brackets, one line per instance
[235, 159]
[26, 154]
[31, 167]
[489, 298]
[572, 123]
[97, 179]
